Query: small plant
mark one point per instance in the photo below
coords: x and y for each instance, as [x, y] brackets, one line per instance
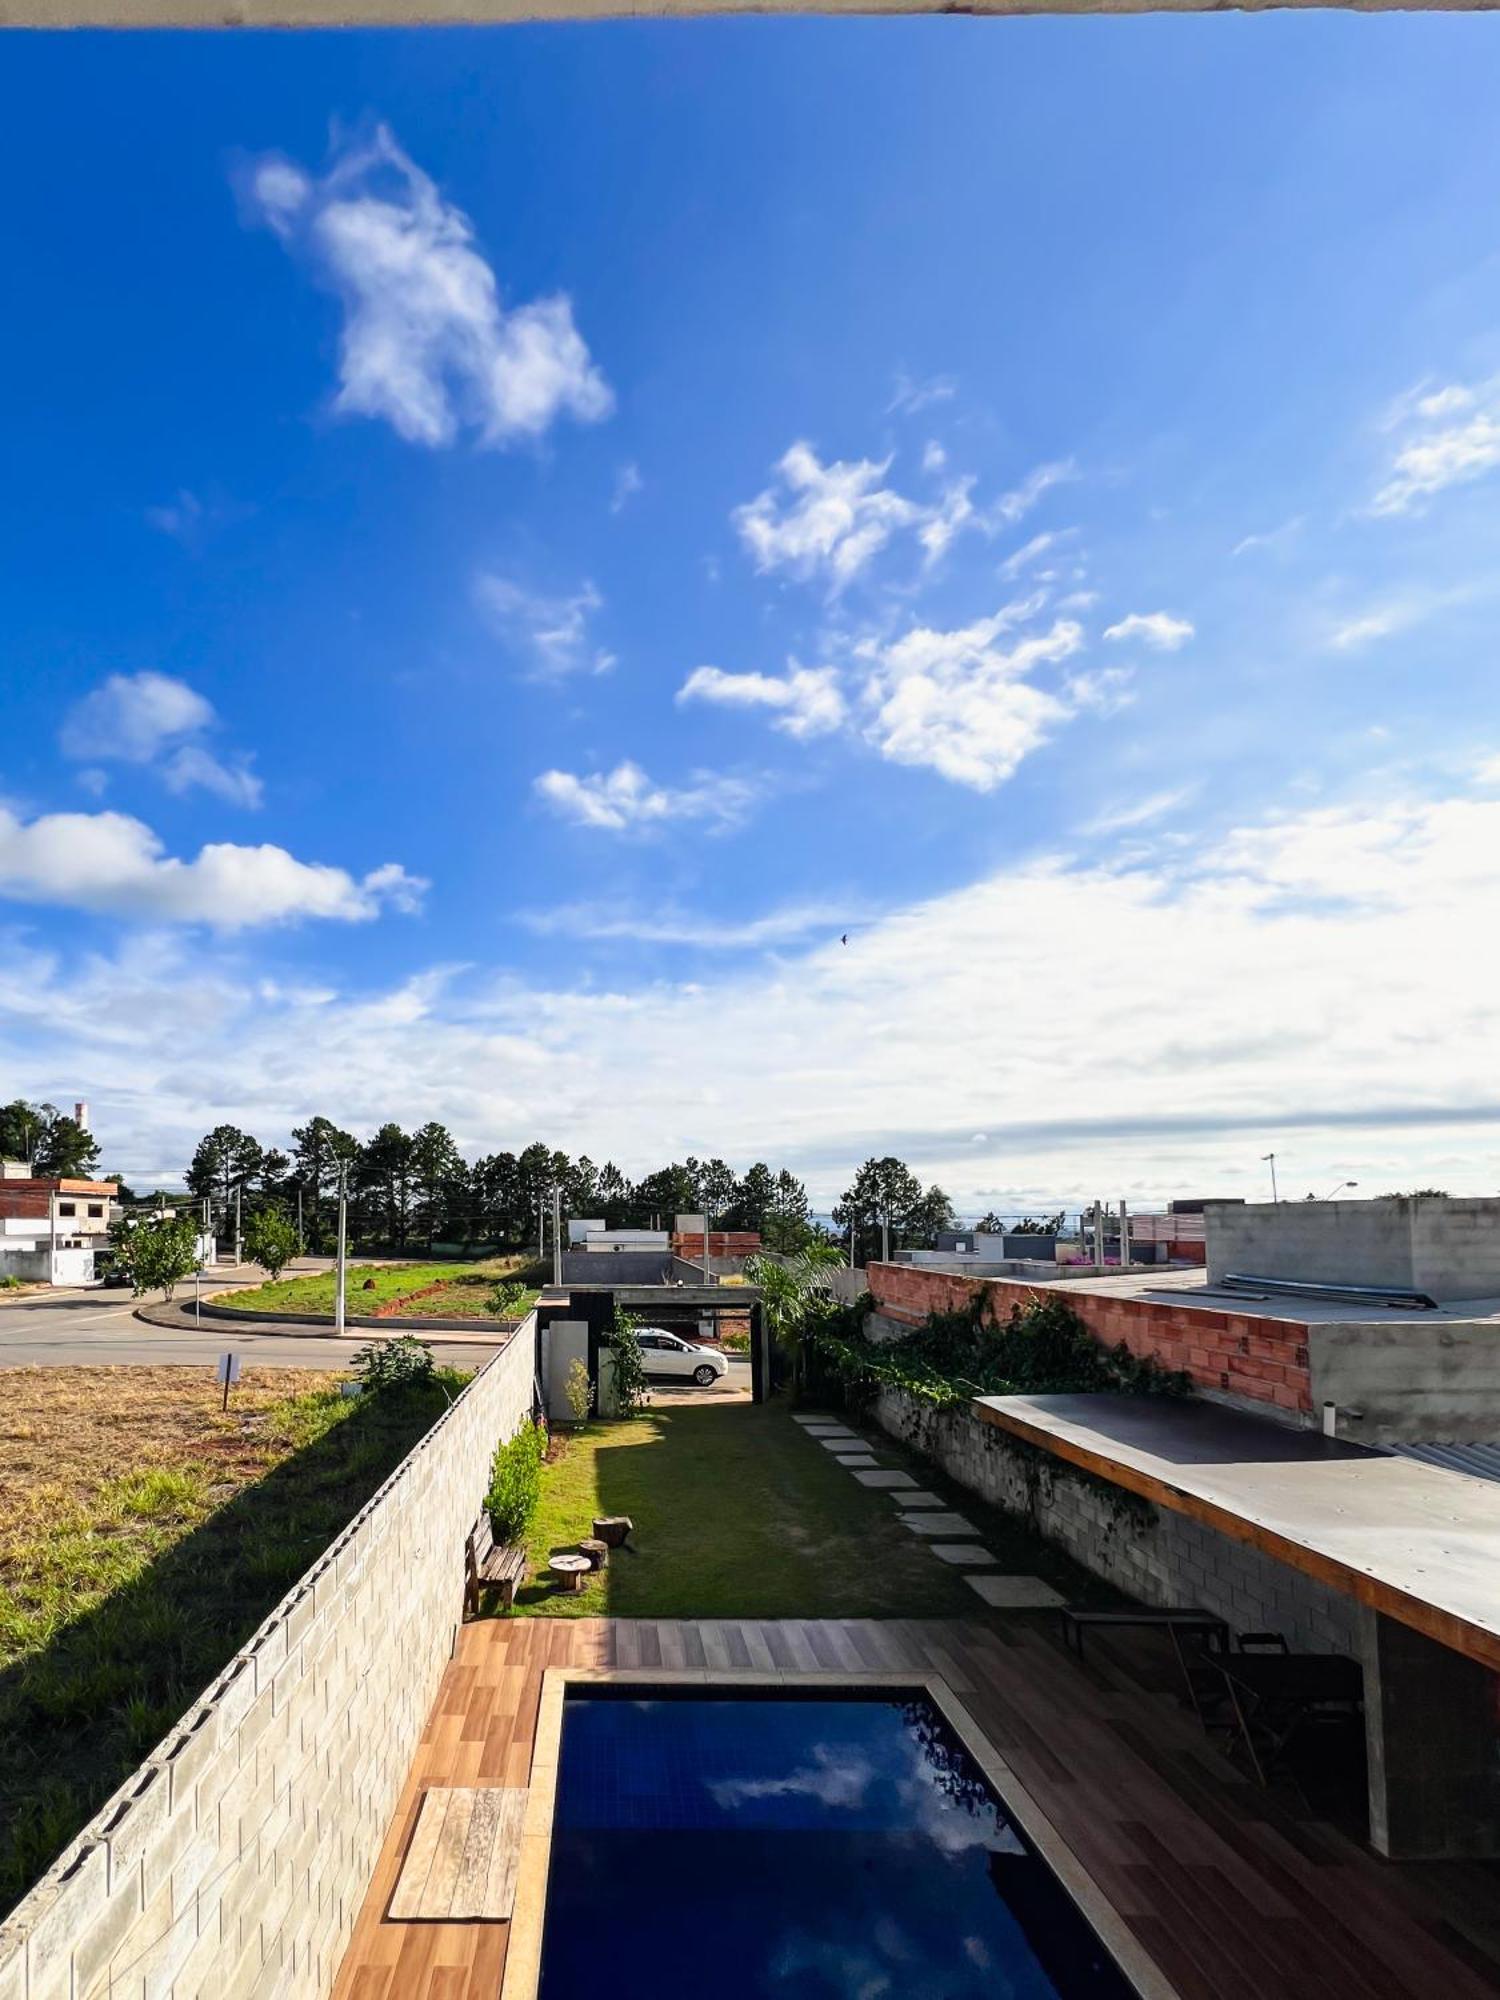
[403, 1363]
[579, 1391]
[271, 1241]
[631, 1389]
[505, 1299]
[516, 1483]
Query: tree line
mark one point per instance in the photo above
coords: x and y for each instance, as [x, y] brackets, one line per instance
[53, 1145]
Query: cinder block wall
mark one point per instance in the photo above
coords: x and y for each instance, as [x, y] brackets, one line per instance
[234, 1861]
[1152, 1554]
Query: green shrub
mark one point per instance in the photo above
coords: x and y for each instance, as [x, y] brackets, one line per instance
[631, 1388]
[505, 1300]
[516, 1483]
[395, 1364]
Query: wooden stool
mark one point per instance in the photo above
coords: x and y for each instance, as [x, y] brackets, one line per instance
[613, 1530]
[570, 1570]
[596, 1551]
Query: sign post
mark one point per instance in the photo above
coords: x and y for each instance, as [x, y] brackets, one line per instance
[228, 1374]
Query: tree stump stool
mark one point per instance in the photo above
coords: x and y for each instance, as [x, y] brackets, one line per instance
[613, 1530]
[597, 1552]
[570, 1570]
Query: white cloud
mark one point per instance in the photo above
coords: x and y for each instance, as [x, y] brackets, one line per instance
[552, 632]
[625, 800]
[934, 458]
[1271, 538]
[112, 865]
[911, 396]
[837, 518]
[1157, 629]
[961, 702]
[1452, 436]
[427, 344]
[1136, 813]
[152, 719]
[606, 923]
[833, 520]
[806, 700]
[1031, 553]
[628, 483]
[1277, 987]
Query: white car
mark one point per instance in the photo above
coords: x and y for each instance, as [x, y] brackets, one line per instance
[669, 1354]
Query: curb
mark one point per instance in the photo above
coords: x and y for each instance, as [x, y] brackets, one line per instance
[178, 1318]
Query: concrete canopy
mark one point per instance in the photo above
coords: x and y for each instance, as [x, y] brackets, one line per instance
[419, 13]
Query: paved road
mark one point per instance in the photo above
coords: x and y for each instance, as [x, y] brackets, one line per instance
[69, 1328]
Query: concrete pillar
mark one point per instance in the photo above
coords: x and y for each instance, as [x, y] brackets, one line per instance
[567, 1342]
[1432, 1729]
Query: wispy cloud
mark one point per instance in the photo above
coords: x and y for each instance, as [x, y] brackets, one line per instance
[833, 520]
[804, 701]
[1452, 437]
[427, 345]
[1136, 813]
[112, 865]
[606, 923]
[1159, 630]
[154, 720]
[911, 396]
[625, 800]
[551, 633]
[1271, 538]
[628, 483]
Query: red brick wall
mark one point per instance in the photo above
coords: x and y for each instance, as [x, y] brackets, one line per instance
[721, 1243]
[1262, 1360]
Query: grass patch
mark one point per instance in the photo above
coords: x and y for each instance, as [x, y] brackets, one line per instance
[143, 1536]
[739, 1515]
[464, 1294]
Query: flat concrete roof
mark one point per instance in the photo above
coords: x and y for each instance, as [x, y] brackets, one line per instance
[726, 1298]
[1415, 1541]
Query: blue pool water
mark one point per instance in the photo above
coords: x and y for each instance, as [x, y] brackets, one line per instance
[835, 1848]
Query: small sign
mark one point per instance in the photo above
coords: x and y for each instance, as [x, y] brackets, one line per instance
[228, 1373]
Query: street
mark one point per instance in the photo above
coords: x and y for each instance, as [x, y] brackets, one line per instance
[73, 1328]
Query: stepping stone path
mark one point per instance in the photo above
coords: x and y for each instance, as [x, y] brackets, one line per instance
[918, 1499]
[891, 1479]
[814, 1417]
[1016, 1593]
[828, 1430]
[861, 1462]
[938, 1524]
[843, 1443]
[964, 1555]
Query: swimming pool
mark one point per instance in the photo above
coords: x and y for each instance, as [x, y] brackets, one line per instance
[799, 1844]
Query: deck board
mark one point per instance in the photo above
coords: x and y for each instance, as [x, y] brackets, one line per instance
[1239, 1894]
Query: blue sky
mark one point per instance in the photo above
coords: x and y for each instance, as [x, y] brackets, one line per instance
[517, 542]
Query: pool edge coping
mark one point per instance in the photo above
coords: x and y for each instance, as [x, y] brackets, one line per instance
[521, 1978]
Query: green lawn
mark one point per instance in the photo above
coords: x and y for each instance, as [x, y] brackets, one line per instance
[739, 1515]
[465, 1293]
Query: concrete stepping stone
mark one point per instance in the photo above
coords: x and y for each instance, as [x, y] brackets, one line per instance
[1016, 1593]
[843, 1443]
[883, 1478]
[938, 1524]
[831, 1434]
[963, 1555]
[814, 1417]
[859, 1462]
[918, 1499]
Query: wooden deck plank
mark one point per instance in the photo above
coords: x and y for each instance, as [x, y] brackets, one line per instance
[1240, 1894]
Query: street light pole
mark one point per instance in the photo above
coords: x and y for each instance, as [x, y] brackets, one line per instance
[238, 1241]
[556, 1234]
[1340, 1189]
[341, 1268]
[1270, 1159]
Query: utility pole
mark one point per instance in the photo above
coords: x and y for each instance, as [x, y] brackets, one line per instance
[541, 1229]
[885, 1236]
[851, 1242]
[1124, 1237]
[708, 1268]
[299, 1218]
[556, 1235]
[238, 1186]
[341, 1268]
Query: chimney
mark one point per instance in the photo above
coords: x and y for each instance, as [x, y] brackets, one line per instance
[81, 1113]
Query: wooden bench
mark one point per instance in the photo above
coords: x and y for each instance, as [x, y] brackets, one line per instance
[1178, 1624]
[490, 1565]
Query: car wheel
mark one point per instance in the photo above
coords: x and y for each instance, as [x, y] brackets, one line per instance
[705, 1376]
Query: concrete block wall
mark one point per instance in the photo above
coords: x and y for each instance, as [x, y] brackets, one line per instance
[1259, 1364]
[234, 1861]
[1447, 1248]
[1147, 1551]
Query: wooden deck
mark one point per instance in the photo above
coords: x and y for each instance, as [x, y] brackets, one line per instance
[1236, 1893]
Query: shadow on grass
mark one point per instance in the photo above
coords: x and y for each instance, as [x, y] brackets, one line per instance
[77, 1716]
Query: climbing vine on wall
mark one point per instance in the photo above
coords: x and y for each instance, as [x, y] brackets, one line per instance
[1042, 1347]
